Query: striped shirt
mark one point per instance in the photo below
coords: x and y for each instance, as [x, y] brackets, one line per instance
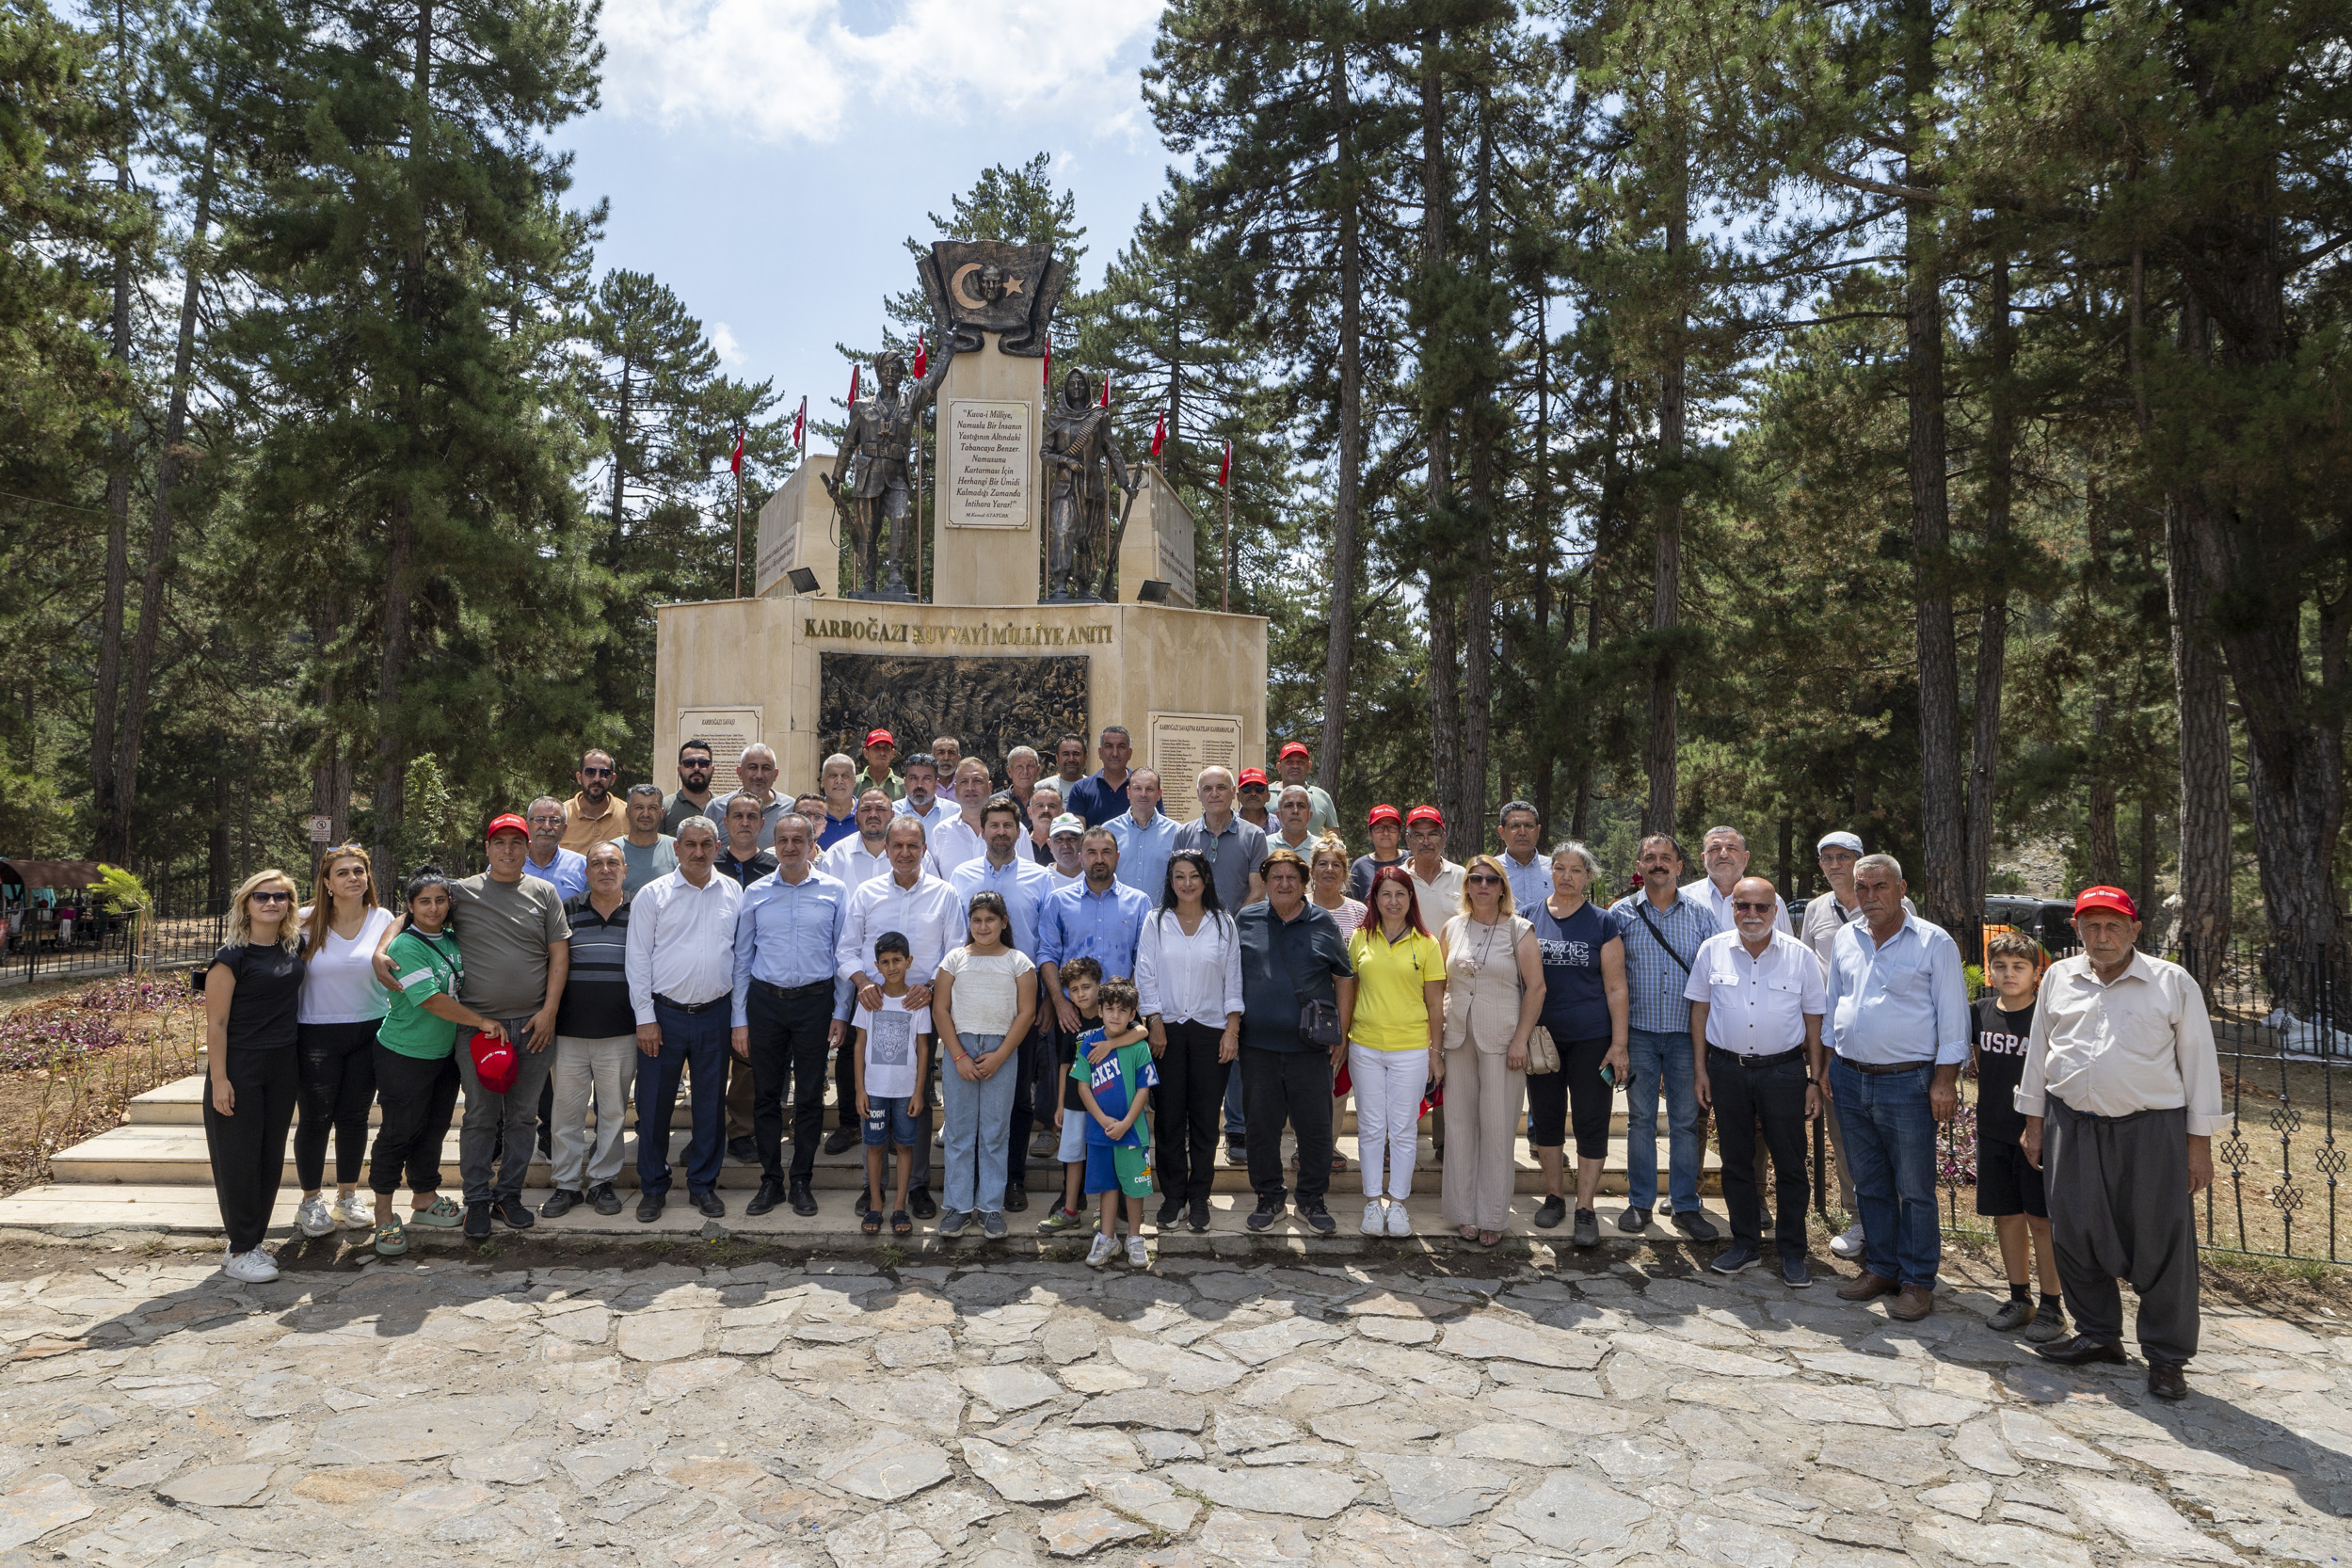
[1653, 981]
[595, 1004]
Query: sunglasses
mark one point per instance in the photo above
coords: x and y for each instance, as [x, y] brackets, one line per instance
[1744, 907]
[270, 898]
[1488, 878]
[599, 773]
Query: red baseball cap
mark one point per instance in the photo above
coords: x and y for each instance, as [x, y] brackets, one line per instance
[879, 738]
[500, 823]
[1383, 813]
[1250, 776]
[2104, 897]
[1296, 748]
[1425, 813]
[494, 1062]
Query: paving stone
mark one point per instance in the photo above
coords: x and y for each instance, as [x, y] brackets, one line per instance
[137, 1539]
[1573, 1514]
[146, 1470]
[664, 1335]
[1966, 1498]
[923, 1346]
[1396, 1331]
[1484, 1337]
[427, 1510]
[1012, 1387]
[1077, 1532]
[44, 1504]
[594, 1464]
[1699, 1358]
[2031, 1436]
[1240, 1431]
[887, 1466]
[1978, 1446]
[1256, 1346]
[2000, 1546]
[1434, 1491]
[1146, 1497]
[1090, 1452]
[427, 1429]
[1899, 1459]
[887, 1536]
[1018, 1477]
[1368, 1536]
[219, 1485]
[1717, 1538]
[1299, 1453]
[1518, 1442]
[1068, 1338]
[1186, 1372]
[1253, 1541]
[1566, 1412]
[1143, 1407]
[1302, 1490]
[2145, 1521]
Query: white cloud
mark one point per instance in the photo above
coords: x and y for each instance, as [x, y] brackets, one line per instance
[790, 69]
[723, 341]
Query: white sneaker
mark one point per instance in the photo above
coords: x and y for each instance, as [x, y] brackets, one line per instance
[1136, 1256]
[253, 1268]
[1375, 1218]
[313, 1218]
[1848, 1245]
[1398, 1223]
[1099, 1253]
[355, 1213]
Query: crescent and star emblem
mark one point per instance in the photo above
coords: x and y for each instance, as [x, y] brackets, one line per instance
[971, 302]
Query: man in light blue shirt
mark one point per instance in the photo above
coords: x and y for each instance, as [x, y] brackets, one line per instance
[1661, 930]
[1899, 1024]
[923, 801]
[1146, 838]
[790, 1006]
[1524, 864]
[546, 859]
[1096, 916]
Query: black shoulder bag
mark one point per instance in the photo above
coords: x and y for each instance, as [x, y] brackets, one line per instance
[1642, 909]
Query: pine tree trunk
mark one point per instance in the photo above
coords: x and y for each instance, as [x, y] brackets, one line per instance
[1486, 432]
[1661, 755]
[1992, 629]
[111, 826]
[1340, 649]
[2106, 853]
[1943, 829]
[1445, 650]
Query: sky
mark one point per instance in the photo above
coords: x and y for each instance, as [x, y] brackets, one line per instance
[767, 159]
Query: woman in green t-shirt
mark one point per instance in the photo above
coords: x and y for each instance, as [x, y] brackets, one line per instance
[416, 1062]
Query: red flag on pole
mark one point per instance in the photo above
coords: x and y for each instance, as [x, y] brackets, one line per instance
[800, 426]
[1106, 388]
[854, 371]
[1045, 373]
[735, 460]
[1225, 470]
[923, 355]
[1160, 435]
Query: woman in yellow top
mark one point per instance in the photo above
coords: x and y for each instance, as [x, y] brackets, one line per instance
[1395, 1034]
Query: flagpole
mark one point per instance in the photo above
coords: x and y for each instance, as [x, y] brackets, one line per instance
[1226, 577]
[739, 512]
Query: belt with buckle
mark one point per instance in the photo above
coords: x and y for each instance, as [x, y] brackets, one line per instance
[1881, 1069]
[812, 988]
[1793, 1053]
[689, 1006]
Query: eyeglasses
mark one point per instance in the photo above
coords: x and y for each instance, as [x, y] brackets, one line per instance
[270, 897]
[599, 773]
[1744, 907]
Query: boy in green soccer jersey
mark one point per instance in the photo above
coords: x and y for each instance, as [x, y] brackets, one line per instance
[1115, 1084]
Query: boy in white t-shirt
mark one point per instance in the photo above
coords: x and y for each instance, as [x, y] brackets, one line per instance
[893, 1059]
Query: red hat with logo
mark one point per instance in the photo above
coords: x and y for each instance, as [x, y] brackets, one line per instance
[494, 1063]
[2104, 897]
[879, 738]
[1425, 813]
[1383, 813]
[1296, 748]
[503, 821]
[1252, 776]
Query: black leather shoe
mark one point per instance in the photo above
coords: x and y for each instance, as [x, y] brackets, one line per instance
[2080, 1349]
[604, 1198]
[559, 1203]
[743, 1149]
[711, 1205]
[1554, 1210]
[918, 1202]
[839, 1138]
[1015, 1198]
[650, 1207]
[2168, 1380]
[1696, 1225]
[771, 1193]
[804, 1201]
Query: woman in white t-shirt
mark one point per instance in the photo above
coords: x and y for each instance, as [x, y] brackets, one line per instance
[341, 1003]
[983, 1001]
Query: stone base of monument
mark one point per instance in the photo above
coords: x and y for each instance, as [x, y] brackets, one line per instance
[810, 675]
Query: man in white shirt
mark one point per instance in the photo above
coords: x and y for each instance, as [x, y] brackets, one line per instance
[958, 837]
[1756, 999]
[1524, 864]
[1824, 916]
[1436, 881]
[923, 801]
[682, 981]
[1294, 815]
[1725, 855]
[2121, 1097]
[914, 901]
[864, 855]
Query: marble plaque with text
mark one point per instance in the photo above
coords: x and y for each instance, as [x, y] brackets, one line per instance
[1178, 745]
[989, 458]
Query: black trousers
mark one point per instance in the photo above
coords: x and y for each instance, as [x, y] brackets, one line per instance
[1578, 1084]
[791, 1036]
[2119, 1208]
[419, 1098]
[1191, 1089]
[1772, 1099]
[845, 1082]
[1033, 1101]
[1292, 1086]
[337, 1085]
[249, 1147]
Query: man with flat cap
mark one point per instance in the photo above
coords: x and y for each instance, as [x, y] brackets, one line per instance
[2121, 1097]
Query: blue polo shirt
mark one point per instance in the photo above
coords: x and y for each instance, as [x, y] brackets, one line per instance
[1075, 922]
[1144, 851]
[1096, 801]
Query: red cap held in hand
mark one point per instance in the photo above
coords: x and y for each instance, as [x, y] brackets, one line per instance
[494, 1063]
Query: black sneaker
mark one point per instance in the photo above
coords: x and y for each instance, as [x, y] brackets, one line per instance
[1319, 1220]
[1170, 1212]
[478, 1221]
[1634, 1221]
[1265, 1214]
[1198, 1217]
[1237, 1152]
[1737, 1258]
[559, 1203]
[743, 1149]
[840, 1139]
[604, 1198]
[920, 1204]
[1015, 1198]
[516, 1213]
[1554, 1210]
[1696, 1225]
[1587, 1229]
[650, 1207]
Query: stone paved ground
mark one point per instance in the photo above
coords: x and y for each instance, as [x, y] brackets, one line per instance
[1210, 1413]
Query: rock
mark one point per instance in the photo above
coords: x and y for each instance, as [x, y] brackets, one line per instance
[1186, 1372]
[1978, 1446]
[588, 1325]
[1239, 1432]
[664, 1335]
[146, 1470]
[1565, 1410]
[1075, 1531]
[1831, 1404]
[1020, 1478]
[1146, 1497]
[1573, 1515]
[1305, 1388]
[1301, 1489]
[886, 1466]
[1258, 1346]
[1089, 1452]
[219, 1485]
[1733, 1540]
[1436, 1492]
[1369, 1537]
[926, 1347]
[1391, 1303]
[427, 1429]
[1899, 1459]
[2030, 1436]
[1144, 1407]
[1966, 1498]
[2145, 1521]
[1699, 1358]
[420, 1509]
[39, 1506]
[1862, 1530]
[927, 1397]
[1013, 1387]
[1397, 1331]
[1484, 1336]
[1070, 1337]
[2000, 1546]
[1922, 1407]
[1910, 1370]
[593, 1464]
[885, 1537]
[1252, 1541]
[1515, 1442]
[1369, 1429]
[677, 1380]
[1299, 1453]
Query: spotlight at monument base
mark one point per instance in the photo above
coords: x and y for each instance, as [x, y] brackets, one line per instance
[1151, 591]
[804, 580]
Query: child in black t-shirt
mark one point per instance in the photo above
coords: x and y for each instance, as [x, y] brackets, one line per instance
[2009, 1188]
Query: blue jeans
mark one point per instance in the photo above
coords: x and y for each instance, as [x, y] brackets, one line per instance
[1890, 1138]
[1655, 1058]
[979, 1128]
[695, 1040]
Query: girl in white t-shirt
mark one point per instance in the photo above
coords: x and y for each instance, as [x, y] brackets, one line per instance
[983, 1000]
[335, 1036]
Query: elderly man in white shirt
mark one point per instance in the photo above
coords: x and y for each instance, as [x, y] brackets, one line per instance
[680, 963]
[1725, 854]
[957, 839]
[2122, 1095]
[866, 854]
[1756, 999]
[916, 903]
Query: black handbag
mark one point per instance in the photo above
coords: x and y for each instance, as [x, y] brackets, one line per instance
[1318, 1025]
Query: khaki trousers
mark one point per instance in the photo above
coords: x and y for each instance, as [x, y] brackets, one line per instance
[1483, 1101]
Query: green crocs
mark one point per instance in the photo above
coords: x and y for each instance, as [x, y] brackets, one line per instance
[443, 1214]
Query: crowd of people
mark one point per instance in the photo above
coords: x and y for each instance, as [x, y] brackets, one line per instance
[1050, 968]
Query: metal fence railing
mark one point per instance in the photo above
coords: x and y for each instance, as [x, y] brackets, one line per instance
[173, 933]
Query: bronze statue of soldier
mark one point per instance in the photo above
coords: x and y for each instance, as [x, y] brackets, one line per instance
[1077, 444]
[881, 431]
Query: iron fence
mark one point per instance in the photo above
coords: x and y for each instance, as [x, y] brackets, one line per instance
[170, 934]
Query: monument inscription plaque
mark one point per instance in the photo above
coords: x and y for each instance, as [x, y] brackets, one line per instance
[1178, 745]
[985, 468]
[992, 704]
[727, 731]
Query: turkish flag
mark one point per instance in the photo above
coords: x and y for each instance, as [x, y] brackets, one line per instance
[854, 371]
[1160, 435]
[1106, 388]
[800, 426]
[1045, 374]
[735, 460]
[1225, 470]
[923, 355]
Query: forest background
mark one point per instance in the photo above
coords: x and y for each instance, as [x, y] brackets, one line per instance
[1921, 418]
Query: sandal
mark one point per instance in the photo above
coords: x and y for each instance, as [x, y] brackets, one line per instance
[870, 1222]
[1488, 1238]
[1468, 1233]
[901, 1224]
[391, 1239]
[441, 1213]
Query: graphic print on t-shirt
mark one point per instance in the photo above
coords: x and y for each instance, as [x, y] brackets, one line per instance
[2001, 1038]
[890, 1039]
